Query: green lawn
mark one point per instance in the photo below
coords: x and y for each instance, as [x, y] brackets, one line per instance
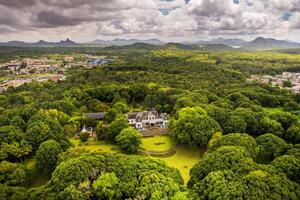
[273, 110]
[158, 143]
[184, 159]
[94, 145]
[37, 179]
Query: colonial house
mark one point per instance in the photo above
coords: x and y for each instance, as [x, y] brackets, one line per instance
[146, 119]
[86, 130]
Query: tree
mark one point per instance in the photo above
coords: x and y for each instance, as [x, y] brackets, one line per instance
[129, 140]
[18, 193]
[292, 135]
[107, 187]
[268, 125]
[72, 193]
[47, 156]
[269, 147]
[12, 174]
[103, 132]
[289, 165]
[117, 126]
[156, 186]
[37, 133]
[111, 115]
[236, 139]
[235, 124]
[287, 83]
[120, 107]
[193, 128]
[84, 169]
[233, 158]
[84, 136]
[264, 185]
[285, 119]
[10, 134]
[18, 122]
[15, 151]
[70, 129]
[256, 184]
[291, 106]
[218, 185]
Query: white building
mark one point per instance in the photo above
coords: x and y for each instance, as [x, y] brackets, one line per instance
[152, 118]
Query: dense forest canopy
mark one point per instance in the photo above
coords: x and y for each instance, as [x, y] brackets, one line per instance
[249, 132]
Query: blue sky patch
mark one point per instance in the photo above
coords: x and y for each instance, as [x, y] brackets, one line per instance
[165, 11]
[286, 16]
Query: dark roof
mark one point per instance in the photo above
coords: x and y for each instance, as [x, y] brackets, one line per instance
[99, 115]
[132, 115]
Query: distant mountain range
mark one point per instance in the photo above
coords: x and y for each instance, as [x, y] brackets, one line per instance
[220, 44]
[41, 43]
[235, 42]
[261, 43]
[122, 42]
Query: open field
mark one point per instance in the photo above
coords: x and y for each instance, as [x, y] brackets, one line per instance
[158, 143]
[184, 159]
[94, 145]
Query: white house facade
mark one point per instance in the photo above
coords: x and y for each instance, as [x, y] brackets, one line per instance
[141, 120]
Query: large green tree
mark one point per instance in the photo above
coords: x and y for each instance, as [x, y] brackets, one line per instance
[129, 140]
[117, 126]
[193, 127]
[47, 156]
[269, 147]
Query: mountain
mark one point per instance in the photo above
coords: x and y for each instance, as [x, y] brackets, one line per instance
[261, 43]
[217, 47]
[234, 42]
[66, 42]
[15, 43]
[218, 44]
[122, 42]
[135, 46]
[41, 43]
[228, 42]
[180, 46]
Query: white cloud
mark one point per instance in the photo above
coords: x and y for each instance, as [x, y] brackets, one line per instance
[87, 19]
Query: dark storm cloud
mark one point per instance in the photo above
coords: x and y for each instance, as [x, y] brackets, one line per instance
[54, 19]
[17, 3]
[99, 5]
[4, 29]
[10, 20]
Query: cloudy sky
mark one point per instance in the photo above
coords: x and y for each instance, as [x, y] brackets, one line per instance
[169, 20]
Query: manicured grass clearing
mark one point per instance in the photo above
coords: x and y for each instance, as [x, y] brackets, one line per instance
[94, 145]
[184, 159]
[158, 143]
[37, 179]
